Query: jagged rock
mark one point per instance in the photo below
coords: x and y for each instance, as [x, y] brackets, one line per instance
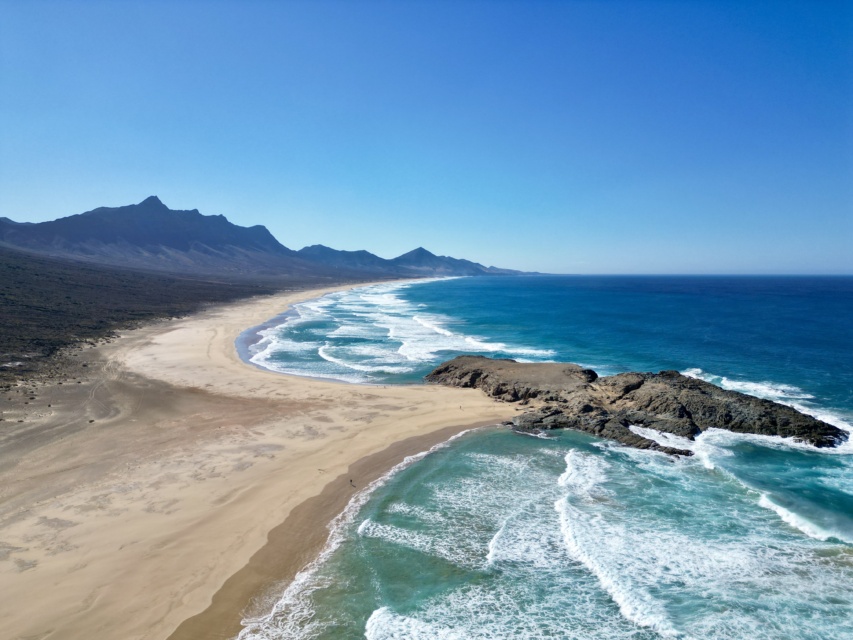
[504, 379]
[570, 397]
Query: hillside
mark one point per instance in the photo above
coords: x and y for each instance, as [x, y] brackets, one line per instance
[151, 236]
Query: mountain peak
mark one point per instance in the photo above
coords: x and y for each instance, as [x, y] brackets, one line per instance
[420, 253]
[150, 235]
[151, 202]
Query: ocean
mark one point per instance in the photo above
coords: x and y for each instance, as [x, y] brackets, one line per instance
[500, 535]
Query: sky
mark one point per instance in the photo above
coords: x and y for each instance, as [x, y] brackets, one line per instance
[608, 136]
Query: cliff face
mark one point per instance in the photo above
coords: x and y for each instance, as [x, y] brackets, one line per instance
[567, 396]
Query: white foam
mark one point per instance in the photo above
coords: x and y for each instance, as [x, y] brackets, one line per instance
[591, 555]
[715, 550]
[712, 445]
[767, 390]
[464, 531]
[835, 420]
[274, 344]
[511, 608]
[583, 477]
[493, 545]
[514, 464]
[537, 353]
[401, 331]
[317, 305]
[783, 394]
[371, 350]
[540, 434]
[796, 521]
[417, 512]
[433, 325]
[365, 525]
[384, 624]
[485, 511]
[291, 616]
[437, 546]
[634, 602]
[583, 472]
[481, 345]
[703, 451]
[662, 438]
[347, 330]
[525, 538]
[724, 438]
[324, 352]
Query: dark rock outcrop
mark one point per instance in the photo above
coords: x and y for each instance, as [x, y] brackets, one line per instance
[566, 396]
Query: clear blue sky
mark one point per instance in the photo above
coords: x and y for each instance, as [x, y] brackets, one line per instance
[574, 137]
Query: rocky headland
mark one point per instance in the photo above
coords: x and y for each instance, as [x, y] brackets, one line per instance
[566, 396]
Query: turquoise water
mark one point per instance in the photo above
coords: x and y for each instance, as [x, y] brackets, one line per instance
[500, 535]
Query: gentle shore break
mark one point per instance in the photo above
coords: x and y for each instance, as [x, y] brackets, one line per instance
[127, 501]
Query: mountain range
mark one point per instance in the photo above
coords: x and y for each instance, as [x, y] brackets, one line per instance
[151, 236]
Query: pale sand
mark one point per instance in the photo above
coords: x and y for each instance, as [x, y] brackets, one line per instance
[127, 526]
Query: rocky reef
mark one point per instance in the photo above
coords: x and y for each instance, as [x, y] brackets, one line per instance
[566, 396]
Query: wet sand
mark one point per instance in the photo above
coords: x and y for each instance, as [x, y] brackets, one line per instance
[173, 486]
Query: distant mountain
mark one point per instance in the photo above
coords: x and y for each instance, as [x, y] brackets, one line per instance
[149, 235]
[418, 262]
[423, 262]
[346, 259]
[149, 225]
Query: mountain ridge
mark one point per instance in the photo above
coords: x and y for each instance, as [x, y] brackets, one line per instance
[150, 235]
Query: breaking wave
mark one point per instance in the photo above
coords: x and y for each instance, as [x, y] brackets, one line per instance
[372, 335]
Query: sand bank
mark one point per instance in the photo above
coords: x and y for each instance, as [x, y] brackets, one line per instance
[129, 502]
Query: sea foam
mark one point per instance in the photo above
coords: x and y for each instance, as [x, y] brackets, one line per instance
[586, 537]
[569, 537]
[713, 448]
[371, 334]
[786, 394]
[292, 615]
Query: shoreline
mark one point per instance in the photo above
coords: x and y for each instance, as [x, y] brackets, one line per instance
[131, 501]
[250, 337]
[295, 543]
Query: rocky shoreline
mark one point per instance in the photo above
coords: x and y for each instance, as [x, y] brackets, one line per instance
[566, 396]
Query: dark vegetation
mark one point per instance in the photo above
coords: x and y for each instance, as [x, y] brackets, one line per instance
[49, 305]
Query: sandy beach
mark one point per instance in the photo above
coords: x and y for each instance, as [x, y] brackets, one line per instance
[161, 493]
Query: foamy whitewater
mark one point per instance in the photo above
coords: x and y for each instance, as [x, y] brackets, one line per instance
[372, 334]
[498, 535]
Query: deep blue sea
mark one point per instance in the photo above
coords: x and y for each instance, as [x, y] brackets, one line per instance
[501, 535]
